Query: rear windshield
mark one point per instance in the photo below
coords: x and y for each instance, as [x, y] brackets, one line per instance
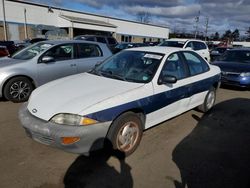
[178, 44]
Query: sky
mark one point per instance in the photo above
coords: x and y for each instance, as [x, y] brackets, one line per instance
[178, 15]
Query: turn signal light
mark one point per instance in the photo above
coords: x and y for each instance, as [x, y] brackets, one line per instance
[69, 140]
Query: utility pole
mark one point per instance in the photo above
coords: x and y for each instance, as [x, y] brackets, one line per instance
[4, 22]
[197, 18]
[25, 24]
[206, 26]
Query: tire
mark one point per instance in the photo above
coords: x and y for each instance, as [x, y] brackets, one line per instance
[18, 89]
[126, 132]
[209, 100]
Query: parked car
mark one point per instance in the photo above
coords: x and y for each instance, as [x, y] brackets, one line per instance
[129, 92]
[46, 61]
[235, 67]
[108, 40]
[197, 45]
[125, 45]
[10, 45]
[4, 51]
[217, 52]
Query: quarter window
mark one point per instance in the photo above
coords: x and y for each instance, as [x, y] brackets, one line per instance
[89, 50]
[61, 52]
[195, 63]
[174, 67]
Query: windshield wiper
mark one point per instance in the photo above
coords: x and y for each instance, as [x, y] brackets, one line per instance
[111, 75]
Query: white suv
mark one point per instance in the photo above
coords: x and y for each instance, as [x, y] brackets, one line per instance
[198, 46]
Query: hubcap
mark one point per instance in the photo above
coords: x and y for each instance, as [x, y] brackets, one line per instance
[210, 100]
[127, 136]
[20, 90]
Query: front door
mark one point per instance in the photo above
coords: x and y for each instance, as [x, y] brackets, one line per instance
[63, 64]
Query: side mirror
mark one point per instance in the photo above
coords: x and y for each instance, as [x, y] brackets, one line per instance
[167, 79]
[47, 59]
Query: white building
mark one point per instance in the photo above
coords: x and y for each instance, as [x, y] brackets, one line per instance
[29, 20]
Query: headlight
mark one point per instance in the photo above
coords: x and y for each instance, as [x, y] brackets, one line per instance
[245, 74]
[72, 119]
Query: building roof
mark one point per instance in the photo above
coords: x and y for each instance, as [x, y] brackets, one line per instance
[87, 21]
[80, 12]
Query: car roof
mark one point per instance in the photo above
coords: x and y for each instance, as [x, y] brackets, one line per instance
[56, 42]
[158, 49]
[184, 40]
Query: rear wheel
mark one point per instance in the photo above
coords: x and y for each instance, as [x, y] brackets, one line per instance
[209, 100]
[126, 132]
[18, 89]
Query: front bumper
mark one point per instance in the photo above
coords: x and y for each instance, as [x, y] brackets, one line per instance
[235, 80]
[91, 137]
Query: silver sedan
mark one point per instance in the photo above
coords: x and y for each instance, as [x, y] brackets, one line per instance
[46, 61]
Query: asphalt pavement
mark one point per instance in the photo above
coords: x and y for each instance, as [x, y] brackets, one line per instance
[192, 150]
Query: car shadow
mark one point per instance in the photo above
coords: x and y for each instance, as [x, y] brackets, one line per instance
[216, 153]
[94, 170]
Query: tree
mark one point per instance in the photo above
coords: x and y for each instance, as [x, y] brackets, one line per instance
[236, 35]
[216, 36]
[227, 35]
[248, 32]
[143, 17]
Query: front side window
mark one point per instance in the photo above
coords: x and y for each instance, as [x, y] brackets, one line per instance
[174, 67]
[61, 52]
[32, 51]
[89, 50]
[132, 66]
[195, 63]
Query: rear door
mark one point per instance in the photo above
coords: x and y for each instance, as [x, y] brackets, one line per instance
[200, 78]
[88, 55]
[63, 64]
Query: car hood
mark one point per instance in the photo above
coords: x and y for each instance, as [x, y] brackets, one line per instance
[74, 94]
[6, 61]
[233, 66]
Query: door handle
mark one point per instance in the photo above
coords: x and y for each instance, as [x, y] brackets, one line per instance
[72, 65]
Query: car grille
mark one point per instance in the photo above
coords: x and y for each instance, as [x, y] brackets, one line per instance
[39, 137]
[230, 73]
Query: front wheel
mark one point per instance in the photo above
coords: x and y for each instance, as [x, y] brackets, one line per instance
[209, 100]
[126, 132]
[18, 89]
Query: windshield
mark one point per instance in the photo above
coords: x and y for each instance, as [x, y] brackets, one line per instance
[236, 56]
[178, 44]
[132, 66]
[32, 51]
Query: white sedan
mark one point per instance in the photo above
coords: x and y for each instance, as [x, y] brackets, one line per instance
[126, 94]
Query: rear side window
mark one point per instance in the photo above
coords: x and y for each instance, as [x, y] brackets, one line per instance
[111, 40]
[195, 63]
[100, 39]
[89, 50]
[199, 46]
